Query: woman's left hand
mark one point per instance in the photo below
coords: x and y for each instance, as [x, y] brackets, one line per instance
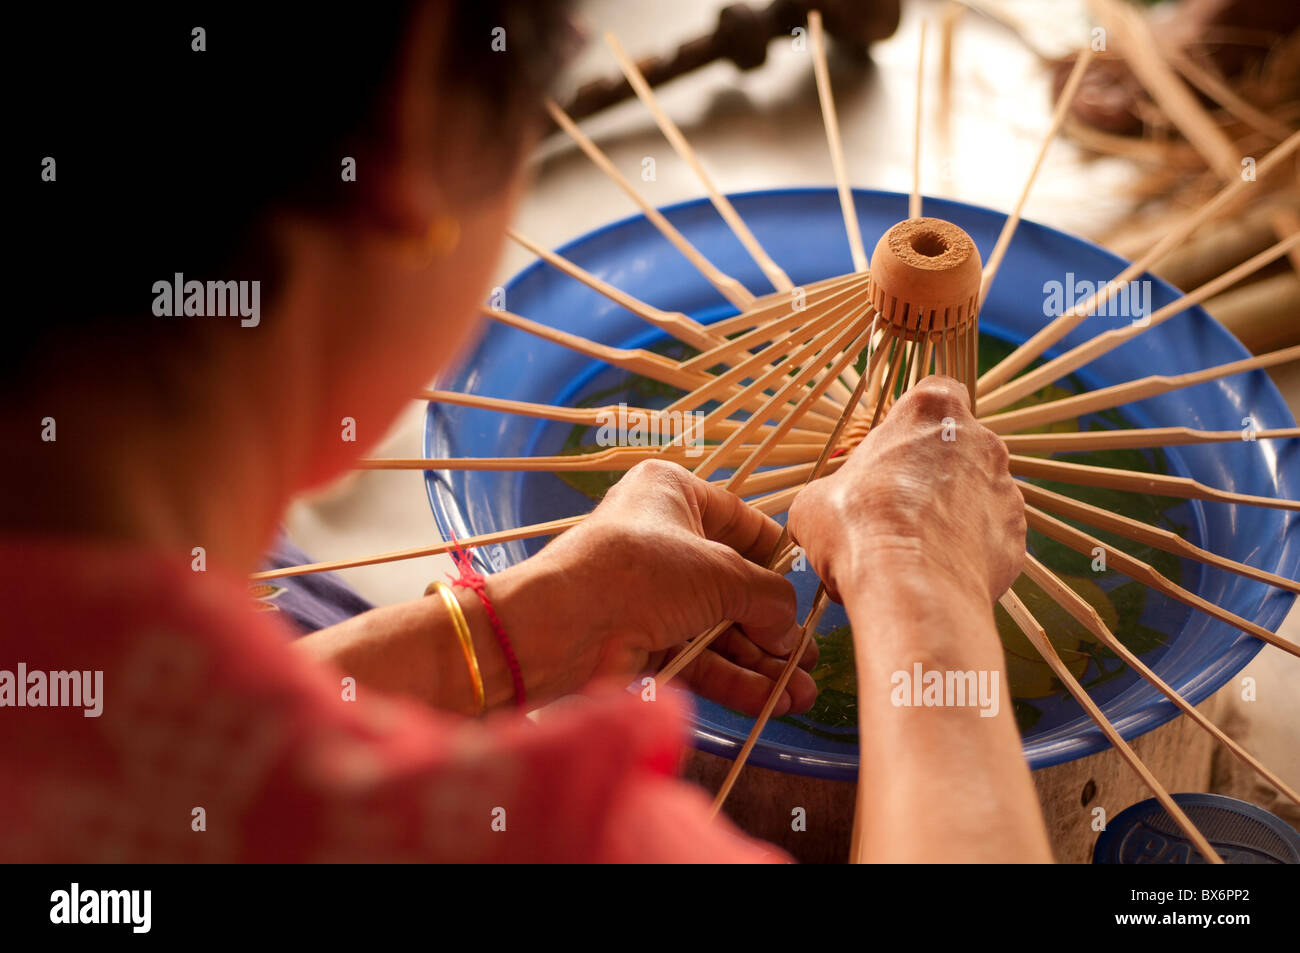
[663, 558]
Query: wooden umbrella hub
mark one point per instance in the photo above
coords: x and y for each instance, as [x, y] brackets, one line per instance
[925, 278]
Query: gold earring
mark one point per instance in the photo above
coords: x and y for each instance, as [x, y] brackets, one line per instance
[440, 239]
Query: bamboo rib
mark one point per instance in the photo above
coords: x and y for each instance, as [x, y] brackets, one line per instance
[914, 200]
[854, 329]
[549, 528]
[585, 416]
[1119, 394]
[727, 286]
[1132, 481]
[1107, 341]
[780, 280]
[679, 325]
[768, 327]
[1088, 617]
[777, 376]
[780, 501]
[820, 603]
[1139, 438]
[610, 459]
[1034, 631]
[763, 306]
[1063, 104]
[831, 121]
[1143, 533]
[1135, 568]
[1056, 329]
[771, 503]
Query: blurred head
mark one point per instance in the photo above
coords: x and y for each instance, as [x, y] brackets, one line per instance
[358, 165]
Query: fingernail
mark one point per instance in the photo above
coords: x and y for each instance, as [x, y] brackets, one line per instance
[791, 640]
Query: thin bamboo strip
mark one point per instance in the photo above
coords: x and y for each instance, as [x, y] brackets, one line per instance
[727, 286]
[1119, 394]
[855, 329]
[1132, 481]
[1107, 341]
[914, 200]
[1138, 438]
[1138, 531]
[1063, 104]
[820, 603]
[679, 325]
[1135, 568]
[1034, 631]
[610, 459]
[831, 121]
[771, 442]
[586, 416]
[1056, 329]
[1089, 618]
[776, 377]
[753, 317]
[780, 280]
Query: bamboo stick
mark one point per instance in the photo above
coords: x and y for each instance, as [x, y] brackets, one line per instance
[727, 286]
[831, 121]
[1056, 329]
[1138, 438]
[585, 416]
[1134, 568]
[1144, 533]
[780, 280]
[856, 326]
[1089, 618]
[1157, 484]
[914, 200]
[679, 325]
[1107, 341]
[820, 603]
[609, 459]
[1034, 631]
[1063, 104]
[1119, 394]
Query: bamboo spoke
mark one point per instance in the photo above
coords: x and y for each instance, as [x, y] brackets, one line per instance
[780, 280]
[587, 416]
[831, 121]
[610, 459]
[1143, 533]
[1089, 618]
[856, 329]
[820, 603]
[1119, 394]
[1063, 104]
[1107, 341]
[1139, 438]
[1056, 329]
[778, 301]
[914, 200]
[1135, 568]
[680, 326]
[727, 286]
[1036, 635]
[1132, 481]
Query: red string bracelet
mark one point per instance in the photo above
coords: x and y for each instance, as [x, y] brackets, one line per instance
[471, 578]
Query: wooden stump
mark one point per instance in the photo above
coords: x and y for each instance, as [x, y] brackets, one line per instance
[764, 802]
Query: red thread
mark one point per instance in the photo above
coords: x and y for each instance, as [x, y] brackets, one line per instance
[471, 578]
[840, 452]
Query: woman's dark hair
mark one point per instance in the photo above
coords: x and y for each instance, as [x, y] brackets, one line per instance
[170, 158]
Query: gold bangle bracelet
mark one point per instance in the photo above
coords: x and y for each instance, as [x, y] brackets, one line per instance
[461, 626]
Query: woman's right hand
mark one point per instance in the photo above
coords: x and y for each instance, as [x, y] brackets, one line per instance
[927, 490]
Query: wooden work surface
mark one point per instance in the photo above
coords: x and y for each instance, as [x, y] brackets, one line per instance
[763, 801]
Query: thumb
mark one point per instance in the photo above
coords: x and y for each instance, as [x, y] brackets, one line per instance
[757, 599]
